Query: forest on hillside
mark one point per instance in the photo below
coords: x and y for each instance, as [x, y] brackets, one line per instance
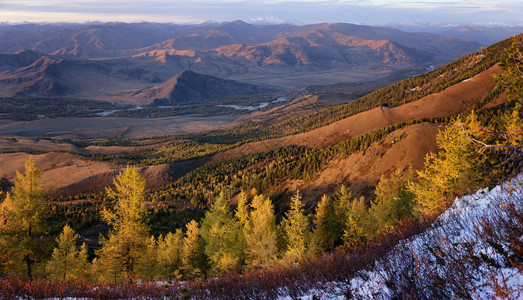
[214, 242]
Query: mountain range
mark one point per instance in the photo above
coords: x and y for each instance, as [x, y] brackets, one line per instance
[122, 62]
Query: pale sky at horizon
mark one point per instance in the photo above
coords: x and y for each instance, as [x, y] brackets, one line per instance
[294, 11]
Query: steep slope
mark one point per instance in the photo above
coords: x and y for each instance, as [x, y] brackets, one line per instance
[471, 251]
[453, 100]
[481, 221]
[190, 87]
[402, 149]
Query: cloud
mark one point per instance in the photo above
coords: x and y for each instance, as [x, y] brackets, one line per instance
[301, 11]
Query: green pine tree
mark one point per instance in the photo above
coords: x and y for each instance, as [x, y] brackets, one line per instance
[359, 225]
[322, 236]
[148, 266]
[194, 262]
[342, 207]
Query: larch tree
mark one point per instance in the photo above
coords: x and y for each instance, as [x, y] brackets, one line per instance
[23, 221]
[452, 169]
[296, 228]
[512, 80]
[342, 207]
[242, 210]
[359, 225]
[68, 262]
[261, 233]
[170, 249]
[125, 244]
[322, 236]
[148, 266]
[194, 262]
[394, 201]
[224, 243]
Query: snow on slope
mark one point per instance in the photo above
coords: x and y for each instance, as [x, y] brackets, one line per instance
[456, 257]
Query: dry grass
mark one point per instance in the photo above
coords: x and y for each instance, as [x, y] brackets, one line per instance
[451, 101]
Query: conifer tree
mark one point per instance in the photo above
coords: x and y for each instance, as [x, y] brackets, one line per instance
[342, 207]
[296, 227]
[224, 244]
[125, 244]
[394, 201]
[323, 236]
[261, 233]
[242, 210]
[170, 249]
[194, 261]
[512, 76]
[512, 80]
[68, 262]
[148, 266]
[358, 225]
[84, 266]
[22, 222]
[452, 169]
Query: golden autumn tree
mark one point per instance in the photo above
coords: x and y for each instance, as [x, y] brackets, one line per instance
[23, 222]
[125, 244]
[296, 228]
[68, 262]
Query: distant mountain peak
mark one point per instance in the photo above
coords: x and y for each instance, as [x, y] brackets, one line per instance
[189, 86]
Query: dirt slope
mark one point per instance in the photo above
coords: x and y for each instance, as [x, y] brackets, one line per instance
[403, 148]
[65, 173]
[453, 100]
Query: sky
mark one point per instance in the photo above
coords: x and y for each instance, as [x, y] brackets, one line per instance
[372, 12]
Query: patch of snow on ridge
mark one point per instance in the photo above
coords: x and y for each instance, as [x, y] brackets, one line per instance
[459, 226]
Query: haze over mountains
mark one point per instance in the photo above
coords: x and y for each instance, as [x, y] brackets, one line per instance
[131, 62]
